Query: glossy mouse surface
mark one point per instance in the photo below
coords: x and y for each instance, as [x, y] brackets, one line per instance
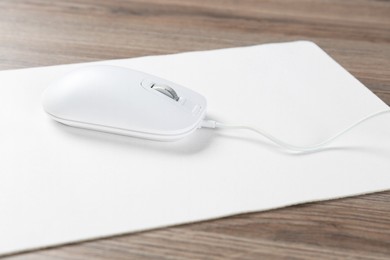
[123, 101]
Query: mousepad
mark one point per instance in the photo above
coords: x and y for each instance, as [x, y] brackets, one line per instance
[60, 184]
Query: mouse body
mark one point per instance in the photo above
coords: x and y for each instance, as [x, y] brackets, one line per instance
[123, 101]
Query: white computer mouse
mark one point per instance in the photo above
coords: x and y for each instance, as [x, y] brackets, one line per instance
[124, 101]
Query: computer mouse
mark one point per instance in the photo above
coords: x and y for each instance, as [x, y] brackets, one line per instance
[123, 101]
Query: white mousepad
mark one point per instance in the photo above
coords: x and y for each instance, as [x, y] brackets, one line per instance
[60, 184]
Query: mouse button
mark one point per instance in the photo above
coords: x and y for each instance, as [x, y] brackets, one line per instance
[190, 106]
[147, 83]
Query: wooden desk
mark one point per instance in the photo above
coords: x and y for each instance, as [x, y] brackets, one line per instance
[355, 32]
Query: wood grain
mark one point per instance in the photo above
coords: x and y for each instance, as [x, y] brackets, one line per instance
[355, 32]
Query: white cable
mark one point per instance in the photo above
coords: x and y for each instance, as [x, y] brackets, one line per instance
[291, 147]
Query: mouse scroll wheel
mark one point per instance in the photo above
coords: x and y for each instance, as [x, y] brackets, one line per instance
[166, 90]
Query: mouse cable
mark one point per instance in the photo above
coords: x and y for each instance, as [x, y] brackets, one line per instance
[285, 145]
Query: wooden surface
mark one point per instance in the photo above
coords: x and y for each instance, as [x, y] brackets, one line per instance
[355, 32]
